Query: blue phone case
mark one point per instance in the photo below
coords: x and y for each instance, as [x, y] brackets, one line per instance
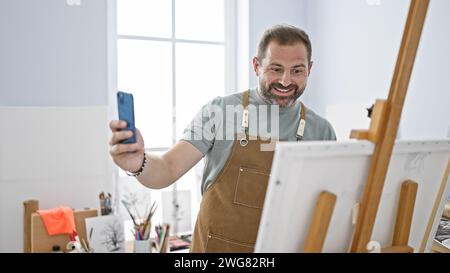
[126, 113]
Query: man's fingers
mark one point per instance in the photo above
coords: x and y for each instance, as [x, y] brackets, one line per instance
[117, 137]
[123, 148]
[117, 124]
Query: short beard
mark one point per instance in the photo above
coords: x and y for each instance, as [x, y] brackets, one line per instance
[271, 98]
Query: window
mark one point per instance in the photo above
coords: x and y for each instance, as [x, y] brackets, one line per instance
[173, 56]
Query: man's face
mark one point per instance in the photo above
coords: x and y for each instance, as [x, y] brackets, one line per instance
[283, 73]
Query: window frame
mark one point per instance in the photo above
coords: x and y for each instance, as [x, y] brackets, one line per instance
[230, 77]
[230, 57]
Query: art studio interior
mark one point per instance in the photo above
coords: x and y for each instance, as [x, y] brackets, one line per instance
[250, 126]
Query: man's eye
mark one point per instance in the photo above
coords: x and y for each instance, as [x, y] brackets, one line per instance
[275, 69]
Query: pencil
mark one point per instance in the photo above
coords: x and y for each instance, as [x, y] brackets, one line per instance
[86, 248]
[163, 238]
[88, 240]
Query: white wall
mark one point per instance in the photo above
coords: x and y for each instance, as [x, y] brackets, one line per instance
[59, 50]
[427, 106]
[54, 84]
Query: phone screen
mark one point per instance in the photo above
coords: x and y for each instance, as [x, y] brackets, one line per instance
[126, 113]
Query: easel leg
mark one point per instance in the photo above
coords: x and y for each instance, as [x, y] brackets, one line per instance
[320, 222]
[388, 131]
[405, 213]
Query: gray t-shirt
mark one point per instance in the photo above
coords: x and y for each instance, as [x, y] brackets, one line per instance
[214, 128]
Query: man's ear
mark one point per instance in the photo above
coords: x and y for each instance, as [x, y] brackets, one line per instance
[310, 67]
[256, 66]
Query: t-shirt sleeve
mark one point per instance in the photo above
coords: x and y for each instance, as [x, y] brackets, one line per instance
[329, 131]
[201, 131]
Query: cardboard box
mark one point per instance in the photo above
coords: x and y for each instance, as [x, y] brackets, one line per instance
[36, 238]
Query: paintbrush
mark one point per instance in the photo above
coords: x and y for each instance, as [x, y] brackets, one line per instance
[152, 211]
[129, 212]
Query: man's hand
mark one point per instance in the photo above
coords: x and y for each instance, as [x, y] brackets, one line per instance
[128, 157]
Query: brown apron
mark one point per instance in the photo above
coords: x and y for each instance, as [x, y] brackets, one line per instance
[231, 207]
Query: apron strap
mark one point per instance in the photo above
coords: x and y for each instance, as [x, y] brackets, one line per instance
[245, 102]
[302, 124]
[245, 98]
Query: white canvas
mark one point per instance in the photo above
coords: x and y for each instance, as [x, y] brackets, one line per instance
[107, 234]
[300, 171]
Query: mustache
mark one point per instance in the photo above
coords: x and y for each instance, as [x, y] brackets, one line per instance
[279, 86]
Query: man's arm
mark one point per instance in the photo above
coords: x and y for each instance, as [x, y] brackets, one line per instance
[162, 171]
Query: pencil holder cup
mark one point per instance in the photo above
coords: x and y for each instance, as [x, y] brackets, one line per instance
[142, 246]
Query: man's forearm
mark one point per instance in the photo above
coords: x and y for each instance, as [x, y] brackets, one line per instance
[157, 173]
[163, 171]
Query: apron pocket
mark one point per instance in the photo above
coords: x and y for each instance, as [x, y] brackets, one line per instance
[251, 188]
[216, 243]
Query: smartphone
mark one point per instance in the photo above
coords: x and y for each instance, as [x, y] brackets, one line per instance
[126, 113]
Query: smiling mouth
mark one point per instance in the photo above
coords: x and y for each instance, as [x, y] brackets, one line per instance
[283, 91]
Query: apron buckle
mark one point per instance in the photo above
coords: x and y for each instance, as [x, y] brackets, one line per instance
[243, 142]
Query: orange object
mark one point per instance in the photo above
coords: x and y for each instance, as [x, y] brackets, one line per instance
[58, 220]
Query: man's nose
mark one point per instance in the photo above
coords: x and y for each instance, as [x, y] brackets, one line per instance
[285, 79]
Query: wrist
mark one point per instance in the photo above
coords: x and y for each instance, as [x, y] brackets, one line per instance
[141, 168]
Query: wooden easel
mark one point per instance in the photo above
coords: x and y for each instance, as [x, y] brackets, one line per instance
[385, 120]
